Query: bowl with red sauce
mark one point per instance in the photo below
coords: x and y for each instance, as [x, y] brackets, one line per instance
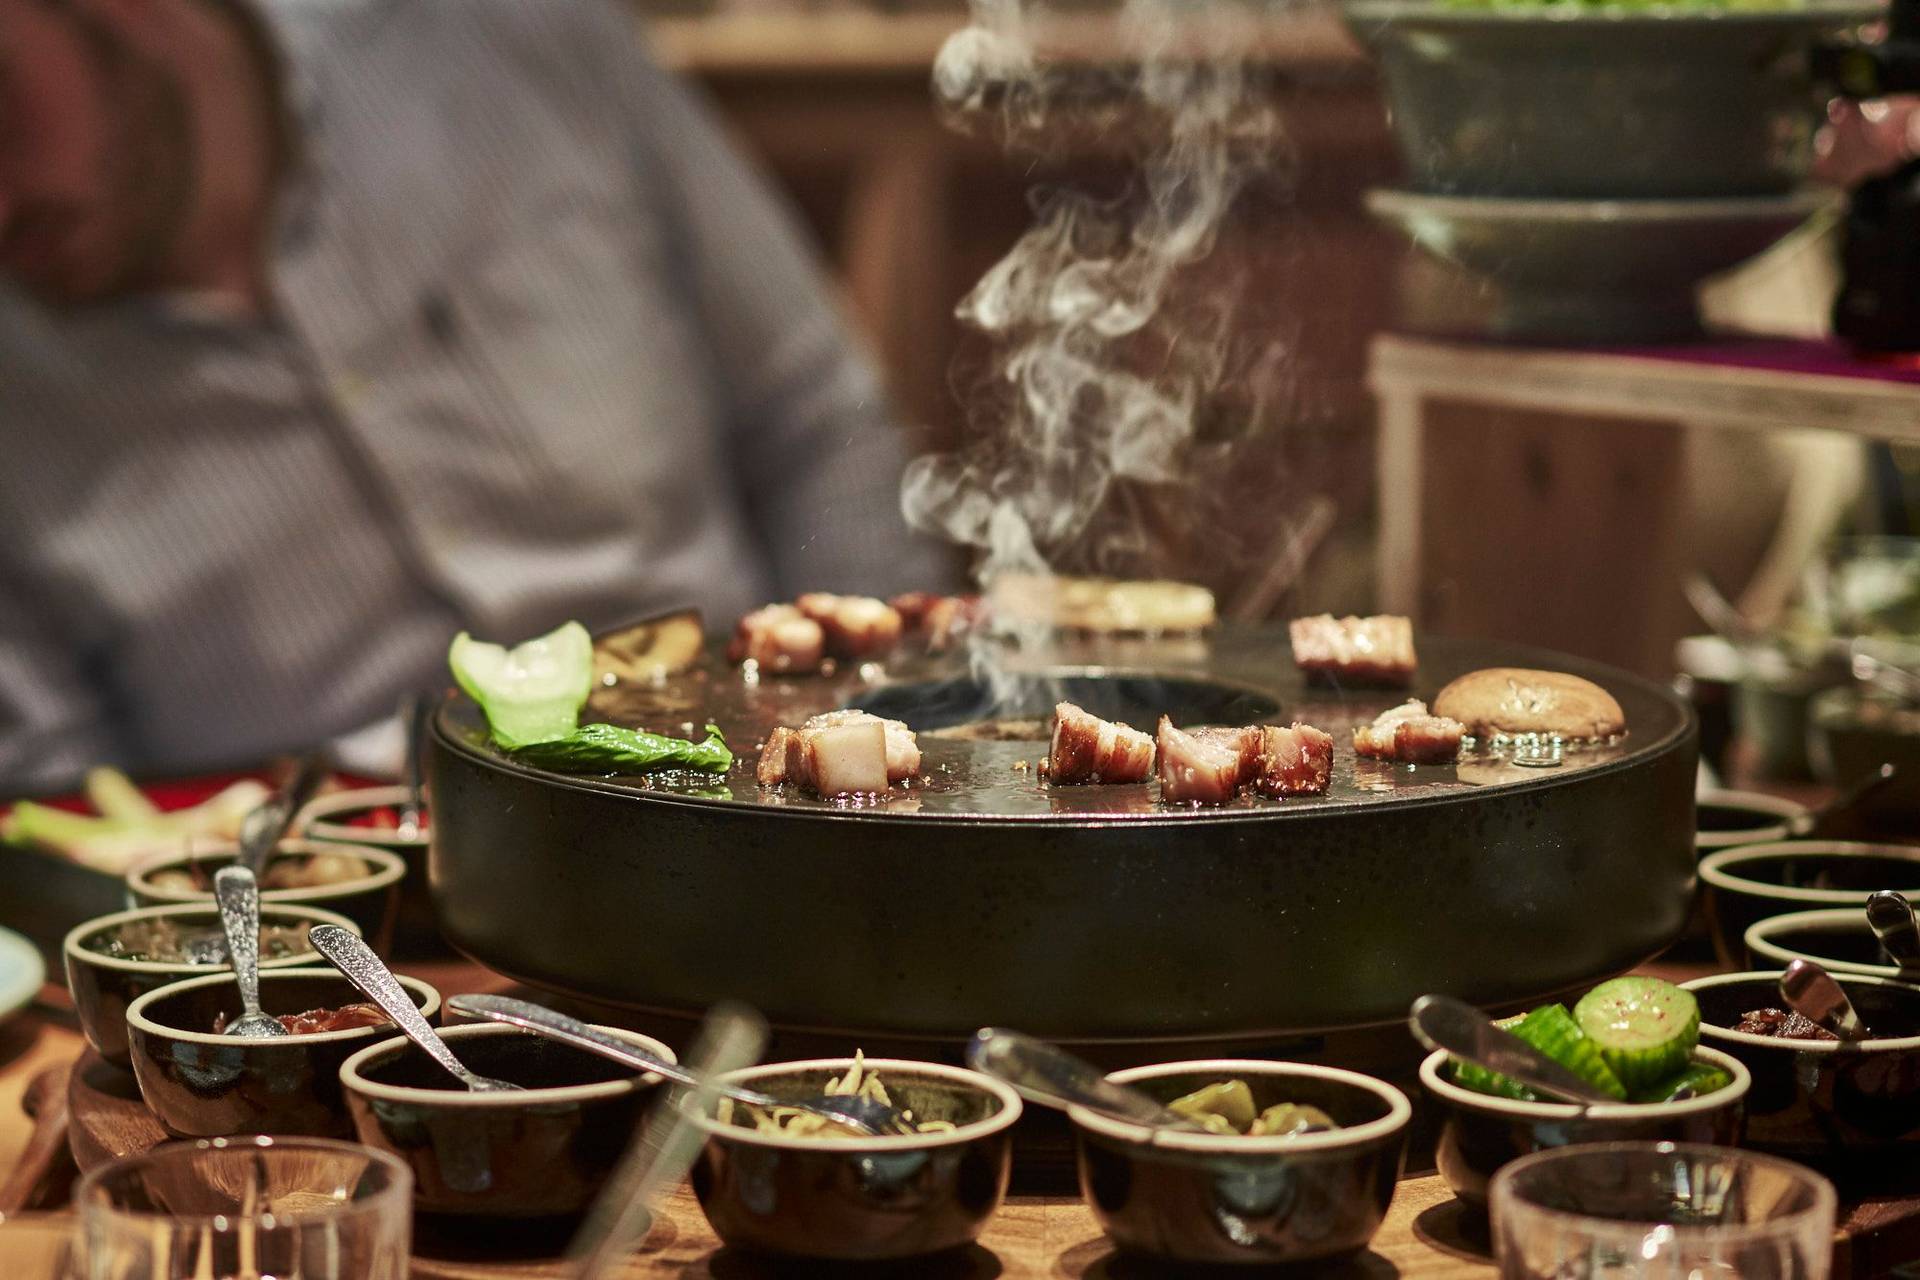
[1840, 1107]
[371, 816]
[358, 881]
[202, 1084]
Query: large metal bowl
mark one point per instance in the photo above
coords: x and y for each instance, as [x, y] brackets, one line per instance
[1084, 913]
[1602, 102]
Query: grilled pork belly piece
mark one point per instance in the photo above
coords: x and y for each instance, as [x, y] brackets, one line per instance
[855, 627]
[941, 619]
[1375, 651]
[778, 637]
[1087, 749]
[1205, 766]
[1294, 761]
[1407, 733]
[821, 758]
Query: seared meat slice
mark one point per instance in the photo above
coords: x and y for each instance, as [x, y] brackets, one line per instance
[941, 619]
[1206, 766]
[1087, 749]
[1407, 733]
[903, 749]
[772, 769]
[778, 637]
[1294, 761]
[842, 759]
[856, 627]
[1375, 651]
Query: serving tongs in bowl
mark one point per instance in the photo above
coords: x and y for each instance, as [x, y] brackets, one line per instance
[1049, 1075]
[1442, 1022]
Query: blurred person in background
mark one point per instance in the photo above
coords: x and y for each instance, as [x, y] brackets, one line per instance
[330, 327]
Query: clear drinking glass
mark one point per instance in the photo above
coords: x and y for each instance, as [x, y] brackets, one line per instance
[1661, 1211]
[255, 1208]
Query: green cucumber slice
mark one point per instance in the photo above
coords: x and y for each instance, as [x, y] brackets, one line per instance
[1700, 1077]
[1553, 1031]
[1644, 1028]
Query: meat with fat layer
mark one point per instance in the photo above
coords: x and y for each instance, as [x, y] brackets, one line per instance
[903, 749]
[1204, 766]
[939, 619]
[778, 637]
[1375, 651]
[1408, 734]
[1087, 749]
[1294, 761]
[855, 627]
[821, 758]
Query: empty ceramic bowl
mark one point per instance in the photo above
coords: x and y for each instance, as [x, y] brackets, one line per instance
[1750, 883]
[855, 1199]
[1211, 1198]
[108, 968]
[1724, 819]
[1837, 938]
[205, 1085]
[358, 881]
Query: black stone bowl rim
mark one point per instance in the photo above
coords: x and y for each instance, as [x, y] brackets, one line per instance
[889, 1069]
[1333, 1143]
[1714, 869]
[1514, 1109]
[137, 1018]
[391, 868]
[315, 821]
[270, 913]
[1759, 939]
[1771, 977]
[462, 1099]
[1750, 801]
[1409, 13]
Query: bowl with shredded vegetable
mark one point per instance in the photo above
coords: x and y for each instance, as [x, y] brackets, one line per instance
[1297, 1163]
[787, 1184]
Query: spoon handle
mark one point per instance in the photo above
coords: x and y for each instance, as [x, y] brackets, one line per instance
[238, 894]
[1891, 918]
[356, 961]
[418, 717]
[1053, 1077]
[1810, 991]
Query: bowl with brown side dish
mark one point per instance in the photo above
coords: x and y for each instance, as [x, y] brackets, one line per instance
[1814, 1099]
[371, 816]
[806, 1192]
[528, 1161]
[202, 1084]
[113, 960]
[1313, 1195]
[358, 881]
[1745, 885]
[1480, 1132]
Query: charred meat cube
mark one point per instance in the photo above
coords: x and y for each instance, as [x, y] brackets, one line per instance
[1370, 651]
[1205, 766]
[778, 637]
[1087, 749]
[1408, 734]
[854, 627]
[1294, 761]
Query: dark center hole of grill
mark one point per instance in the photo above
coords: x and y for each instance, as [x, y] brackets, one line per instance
[976, 709]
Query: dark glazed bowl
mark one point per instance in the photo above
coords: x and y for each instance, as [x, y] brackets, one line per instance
[1600, 101]
[1745, 885]
[331, 818]
[103, 986]
[203, 1085]
[368, 901]
[1838, 939]
[539, 1153]
[1725, 819]
[1479, 1132]
[1209, 1198]
[861, 1199]
[1821, 1102]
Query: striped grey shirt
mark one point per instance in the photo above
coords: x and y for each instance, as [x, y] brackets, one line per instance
[542, 348]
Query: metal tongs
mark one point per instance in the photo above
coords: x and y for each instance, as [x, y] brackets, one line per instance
[262, 829]
[1876, 669]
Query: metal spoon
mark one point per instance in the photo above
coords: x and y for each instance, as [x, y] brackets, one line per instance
[262, 829]
[1811, 992]
[1052, 1077]
[417, 714]
[1890, 916]
[238, 894]
[1441, 1022]
[363, 969]
[1720, 613]
[863, 1115]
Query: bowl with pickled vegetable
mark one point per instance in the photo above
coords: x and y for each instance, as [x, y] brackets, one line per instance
[1813, 1098]
[1636, 1039]
[113, 960]
[1754, 882]
[790, 1185]
[1297, 1163]
[202, 1083]
[357, 881]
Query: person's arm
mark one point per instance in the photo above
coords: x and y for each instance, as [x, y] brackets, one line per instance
[53, 723]
[816, 452]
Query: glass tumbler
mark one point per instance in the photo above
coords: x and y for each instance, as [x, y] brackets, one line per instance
[1660, 1211]
[253, 1208]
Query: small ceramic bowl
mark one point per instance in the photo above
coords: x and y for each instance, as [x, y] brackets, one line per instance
[532, 1155]
[355, 817]
[204, 1085]
[368, 900]
[1750, 883]
[1819, 1101]
[1838, 938]
[103, 985]
[1198, 1198]
[861, 1199]
[1479, 1132]
[1724, 819]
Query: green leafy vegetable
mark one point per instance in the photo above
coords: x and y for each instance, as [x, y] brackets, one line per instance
[607, 748]
[532, 692]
